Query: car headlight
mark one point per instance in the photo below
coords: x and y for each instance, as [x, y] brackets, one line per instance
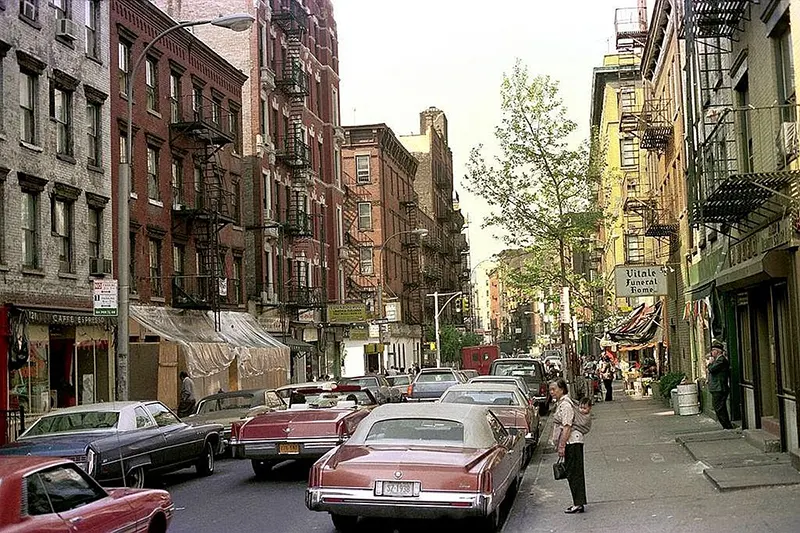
[91, 462]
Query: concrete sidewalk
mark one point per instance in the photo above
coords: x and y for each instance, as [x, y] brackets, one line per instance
[639, 478]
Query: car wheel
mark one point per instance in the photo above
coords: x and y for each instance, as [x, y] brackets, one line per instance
[491, 523]
[135, 478]
[205, 465]
[158, 524]
[262, 469]
[344, 524]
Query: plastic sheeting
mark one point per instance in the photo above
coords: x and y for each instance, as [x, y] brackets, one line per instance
[207, 351]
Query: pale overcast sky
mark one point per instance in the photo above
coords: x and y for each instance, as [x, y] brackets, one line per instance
[400, 57]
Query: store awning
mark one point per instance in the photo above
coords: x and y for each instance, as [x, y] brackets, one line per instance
[772, 264]
[699, 291]
[297, 345]
[640, 327]
[208, 351]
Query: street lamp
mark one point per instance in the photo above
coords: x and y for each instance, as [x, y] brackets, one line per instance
[237, 22]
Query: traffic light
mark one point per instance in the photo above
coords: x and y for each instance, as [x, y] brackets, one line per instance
[465, 305]
[458, 305]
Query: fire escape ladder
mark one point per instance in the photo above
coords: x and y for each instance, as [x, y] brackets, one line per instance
[359, 286]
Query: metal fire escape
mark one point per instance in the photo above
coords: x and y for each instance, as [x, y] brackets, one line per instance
[739, 155]
[294, 152]
[359, 286]
[413, 278]
[196, 126]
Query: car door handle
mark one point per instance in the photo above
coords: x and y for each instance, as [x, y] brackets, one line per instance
[75, 520]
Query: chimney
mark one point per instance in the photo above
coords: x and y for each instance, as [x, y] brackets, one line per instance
[433, 118]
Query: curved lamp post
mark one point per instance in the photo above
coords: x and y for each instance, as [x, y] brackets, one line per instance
[236, 22]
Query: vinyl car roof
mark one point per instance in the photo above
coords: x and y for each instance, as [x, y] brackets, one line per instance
[93, 408]
[477, 433]
[499, 387]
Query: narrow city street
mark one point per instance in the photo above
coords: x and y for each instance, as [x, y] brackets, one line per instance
[639, 479]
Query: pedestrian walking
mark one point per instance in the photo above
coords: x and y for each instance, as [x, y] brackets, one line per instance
[188, 400]
[569, 443]
[719, 373]
[606, 371]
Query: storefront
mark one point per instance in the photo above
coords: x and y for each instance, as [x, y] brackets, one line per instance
[63, 358]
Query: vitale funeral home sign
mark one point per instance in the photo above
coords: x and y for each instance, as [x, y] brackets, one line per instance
[640, 281]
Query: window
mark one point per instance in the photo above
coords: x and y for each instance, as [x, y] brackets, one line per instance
[267, 191]
[364, 215]
[29, 9]
[143, 419]
[197, 102]
[236, 202]
[36, 500]
[785, 74]
[178, 264]
[262, 45]
[216, 111]
[95, 232]
[264, 119]
[62, 231]
[162, 415]
[362, 169]
[68, 488]
[337, 166]
[155, 267]
[60, 7]
[335, 106]
[365, 261]
[152, 173]
[2, 222]
[93, 134]
[132, 273]
[124, 57]
[745, 127]
[628, 152]
[319, 99]
[235, 130]
[198, 187]
[91, 19]
[177, 183]
[151, 80]
[30, 229]
[27, 102]
[634, 249]
[61, 113]
[175, 97]
[236, 280]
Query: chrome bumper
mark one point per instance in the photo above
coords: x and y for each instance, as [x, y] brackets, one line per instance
[428, 505]
[268, 449]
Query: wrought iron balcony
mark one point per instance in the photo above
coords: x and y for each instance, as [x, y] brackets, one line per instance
[291, 78]
[293, 151]
[299, 224]
[301, 296]
[200, 118]
[195, 292]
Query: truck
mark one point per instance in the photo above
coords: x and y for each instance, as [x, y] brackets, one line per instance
[479, 358]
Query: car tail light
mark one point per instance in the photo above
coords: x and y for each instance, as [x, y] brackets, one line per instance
[315, 475]
[487, 483]
[411, 389]
[236, 428]
[542, 389]
[342, 430]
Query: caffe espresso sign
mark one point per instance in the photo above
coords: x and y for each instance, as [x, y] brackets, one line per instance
[640, 281]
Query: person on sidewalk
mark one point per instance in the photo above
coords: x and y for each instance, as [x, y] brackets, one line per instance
[719, 373]
[606, 371]
[569, 444]
[188, 400]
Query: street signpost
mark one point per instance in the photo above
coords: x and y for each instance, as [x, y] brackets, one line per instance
[105, 301]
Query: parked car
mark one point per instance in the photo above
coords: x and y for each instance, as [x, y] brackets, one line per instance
[226, 407]
[507, 402]
[532, 371]
[377, 385]
[430, 383]
[286, 390]
[416, 460]
[509, 380]
[469, 373]
[400, 382]
[121, 442]
[316, 421]
[52, 494]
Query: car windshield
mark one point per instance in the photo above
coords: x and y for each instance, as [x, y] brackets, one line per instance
[517, 368]
[398, 380]
[65, 422]
[416, 431]
[435, 377]
[321, 400]
[361, 382]
[480, 397]
[243, 401]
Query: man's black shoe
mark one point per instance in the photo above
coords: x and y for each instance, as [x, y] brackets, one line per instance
[574, 509]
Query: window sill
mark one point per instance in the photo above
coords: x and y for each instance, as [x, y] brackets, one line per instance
[134, 196]
[236, 155]
[32, 147]
[69, 43]
[4, 268]
[157, 203]
[68, 275]
[30, 22]
[158, 299]
[154, 113]
[95, 168]
[32, 271]
[94, 58]
[133, 295]
[236, 227]
[66, 158]
[3, 137]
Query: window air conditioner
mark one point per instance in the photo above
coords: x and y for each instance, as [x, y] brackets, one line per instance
[67, 29]
[99, 266]
[787, 140]
[268, 297]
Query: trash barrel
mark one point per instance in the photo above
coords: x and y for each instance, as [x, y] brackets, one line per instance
[687, 400]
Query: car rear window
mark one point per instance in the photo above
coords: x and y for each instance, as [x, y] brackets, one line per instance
[398, 380]
[75, 422]
[482, 397]
[416, 431]
[244, 401]
[522, 369]
[435, 377]
[361, 382]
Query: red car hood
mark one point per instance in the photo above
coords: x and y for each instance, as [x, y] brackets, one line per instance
[438, 468]
[300, 423]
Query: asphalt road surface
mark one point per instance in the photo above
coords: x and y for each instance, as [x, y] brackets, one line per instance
[232, 500]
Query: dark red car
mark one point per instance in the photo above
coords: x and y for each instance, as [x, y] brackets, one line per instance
[316, 421]
[51, 494]
[420, 460]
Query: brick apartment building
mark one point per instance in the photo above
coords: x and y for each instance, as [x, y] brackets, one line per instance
[380, 210]
[445, 253]
[55, 217]
[290, 167]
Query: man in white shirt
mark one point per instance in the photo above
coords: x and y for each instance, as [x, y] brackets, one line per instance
[188, 400]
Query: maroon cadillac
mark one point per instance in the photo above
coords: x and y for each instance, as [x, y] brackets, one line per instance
[317, 420]
[420, 460]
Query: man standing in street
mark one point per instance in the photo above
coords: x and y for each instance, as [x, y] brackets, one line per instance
[188, 400]
[606, 372]
[719, 373]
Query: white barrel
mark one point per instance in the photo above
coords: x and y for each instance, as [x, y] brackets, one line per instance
[687, 400]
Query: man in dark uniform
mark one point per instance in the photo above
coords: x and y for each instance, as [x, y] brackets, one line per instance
[719, 373]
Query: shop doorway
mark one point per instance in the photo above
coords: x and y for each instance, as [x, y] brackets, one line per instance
[62, 366]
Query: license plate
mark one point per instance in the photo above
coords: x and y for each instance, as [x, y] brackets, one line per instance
[288, 448]
[398, 488]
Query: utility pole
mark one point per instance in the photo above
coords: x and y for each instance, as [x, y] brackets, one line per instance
[564, 326]
[437, 312]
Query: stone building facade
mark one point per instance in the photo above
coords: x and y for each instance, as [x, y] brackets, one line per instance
[55, 212]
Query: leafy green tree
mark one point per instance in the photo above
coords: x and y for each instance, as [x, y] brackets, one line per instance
[453, 340]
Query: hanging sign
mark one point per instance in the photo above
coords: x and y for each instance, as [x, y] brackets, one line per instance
[105, 297]
[565, 313]
[640, 281]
